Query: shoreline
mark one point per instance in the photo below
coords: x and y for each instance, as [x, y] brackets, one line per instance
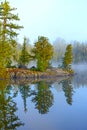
[16, 73]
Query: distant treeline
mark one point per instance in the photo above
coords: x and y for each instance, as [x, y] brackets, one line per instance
[79, 50]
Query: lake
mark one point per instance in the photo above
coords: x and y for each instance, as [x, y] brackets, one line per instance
[53, 104]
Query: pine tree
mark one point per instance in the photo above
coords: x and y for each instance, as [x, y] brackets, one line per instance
[8, 28]
[5, 53]
[43, 51]
[68, 58]
[8, 32]
[24, 56]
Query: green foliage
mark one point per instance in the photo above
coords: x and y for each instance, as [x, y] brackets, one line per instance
[40, 65]
[9, 65]
[43, 51]
[8, 33]
[7, 27]
[24, 56]
[5, 53]
[68, 58]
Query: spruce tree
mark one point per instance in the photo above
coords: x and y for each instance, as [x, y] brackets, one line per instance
[43, 51]
[8, 28]
[24, 56]
[68, 58]
[8, 32]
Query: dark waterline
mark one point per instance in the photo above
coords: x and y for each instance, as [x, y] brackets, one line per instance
[45, 105]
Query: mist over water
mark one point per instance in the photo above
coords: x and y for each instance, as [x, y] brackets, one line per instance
[80, 67]
[80, 78]
[80, 70]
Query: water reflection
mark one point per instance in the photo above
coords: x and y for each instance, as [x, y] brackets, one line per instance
[80, 79]
[68, 90]
[25, 93]
[43, 97]
[8, 119]
[40, 93]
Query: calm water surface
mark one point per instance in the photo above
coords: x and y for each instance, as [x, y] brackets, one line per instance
[44, 105]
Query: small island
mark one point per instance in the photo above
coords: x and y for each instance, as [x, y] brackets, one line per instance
[15, 58]
[43, 69]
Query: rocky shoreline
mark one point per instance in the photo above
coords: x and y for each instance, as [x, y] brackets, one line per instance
[16, 73]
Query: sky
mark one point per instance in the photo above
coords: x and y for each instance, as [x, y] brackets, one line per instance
[52, 18]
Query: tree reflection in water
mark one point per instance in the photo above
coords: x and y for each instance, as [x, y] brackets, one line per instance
[40, 93]
[68, 90]
[25, 92]
[8, 119]
[43, 97]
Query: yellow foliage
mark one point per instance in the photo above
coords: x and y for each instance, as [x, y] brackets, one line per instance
[3, 84]
[3, 73]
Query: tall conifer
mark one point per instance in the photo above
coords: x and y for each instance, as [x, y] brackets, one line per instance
[68, 58]
[24, 56]
[8, 32]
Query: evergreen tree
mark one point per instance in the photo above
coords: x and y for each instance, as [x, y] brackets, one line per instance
[8, 32]
[24, 56]
[43, 51]
[68, 58]
[8, 28]
[5, 53]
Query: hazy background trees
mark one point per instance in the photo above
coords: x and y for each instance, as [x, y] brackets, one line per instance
[59, 46]
[79, 50]
[24, 57]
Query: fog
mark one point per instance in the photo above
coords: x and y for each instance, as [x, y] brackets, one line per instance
[80, 67]
[80, 78]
